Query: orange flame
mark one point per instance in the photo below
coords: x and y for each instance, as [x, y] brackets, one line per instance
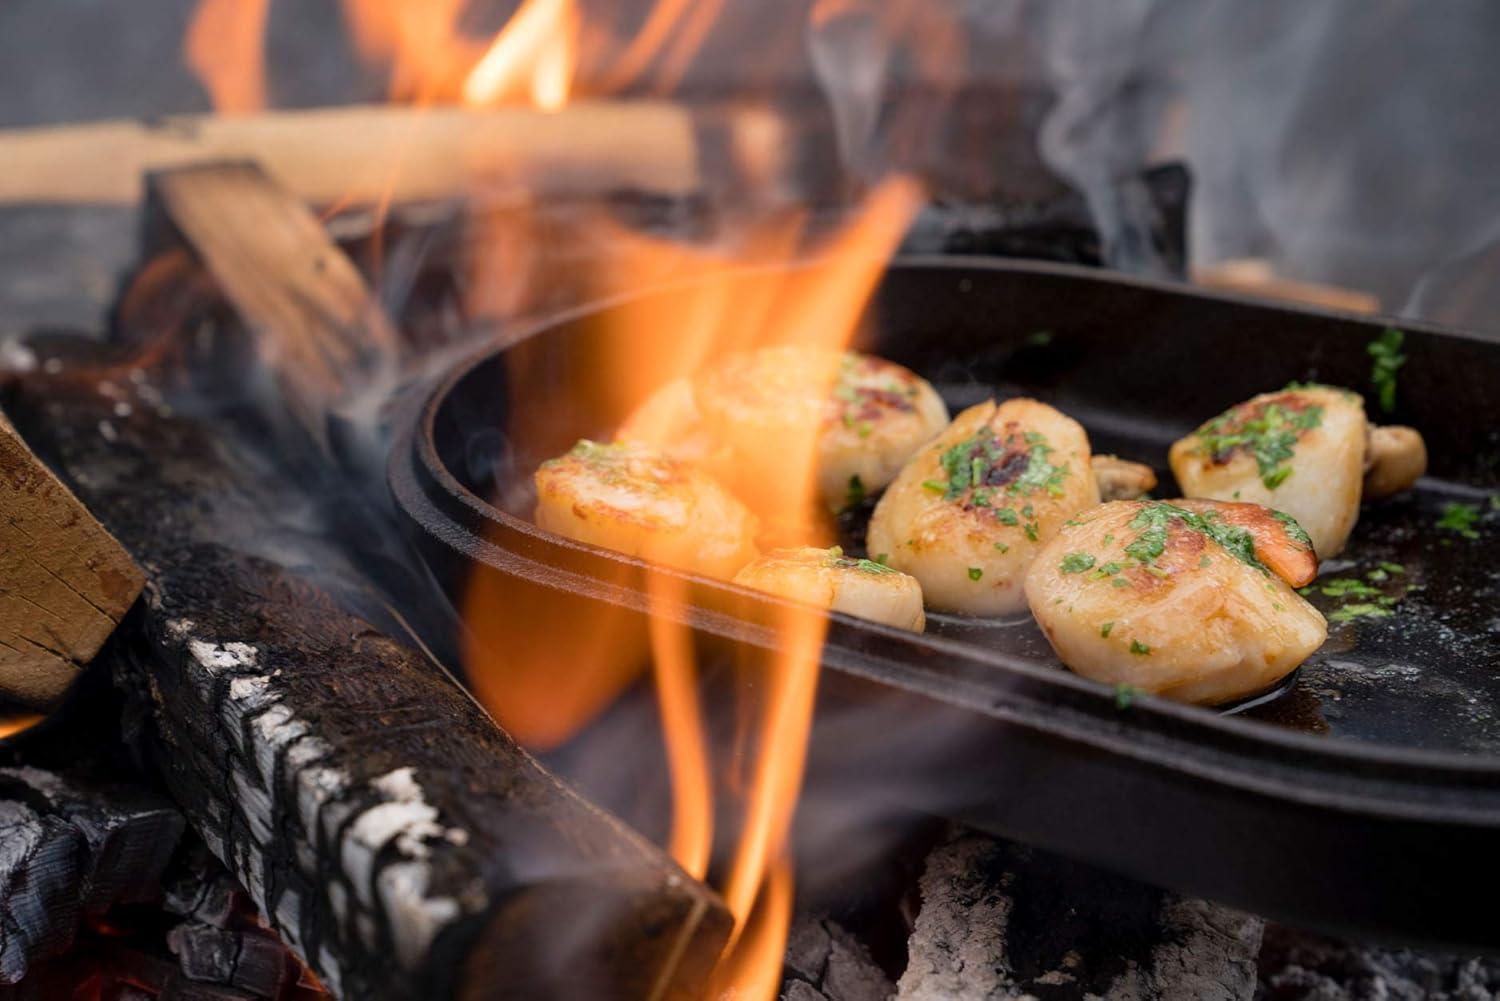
[547, 689]
[225, 48]
[533, 56]
[19, 723]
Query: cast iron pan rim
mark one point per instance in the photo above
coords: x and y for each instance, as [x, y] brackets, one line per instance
[414, 457]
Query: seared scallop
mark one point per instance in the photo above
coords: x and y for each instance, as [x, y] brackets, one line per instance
[634, 500]
[669, 421]
[1184, 599]
[1300, 450]
[829, 579]
[971, 510]
[867, 417]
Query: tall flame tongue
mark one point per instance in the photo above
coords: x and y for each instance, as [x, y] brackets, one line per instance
[226, 49]
[537, 691]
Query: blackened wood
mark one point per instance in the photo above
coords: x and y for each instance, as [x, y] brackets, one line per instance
[1001, 921]
[70, 848]
[249, 960]
[387, 829]
[825, 961]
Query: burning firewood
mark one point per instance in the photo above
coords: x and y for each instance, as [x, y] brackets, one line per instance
[65, 583]
[391, 834]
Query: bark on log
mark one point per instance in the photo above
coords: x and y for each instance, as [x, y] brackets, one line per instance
[388, 830]
[64, 582]
[999, 921]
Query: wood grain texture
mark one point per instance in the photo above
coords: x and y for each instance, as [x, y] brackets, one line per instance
[65, 582]
[387, 829]
[371, 153]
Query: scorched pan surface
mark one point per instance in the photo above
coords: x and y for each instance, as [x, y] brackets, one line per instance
[1364, 798]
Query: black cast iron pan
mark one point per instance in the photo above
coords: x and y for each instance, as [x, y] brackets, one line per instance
[1363, 798]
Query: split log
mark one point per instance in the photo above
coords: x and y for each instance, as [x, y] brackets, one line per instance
[315, 323]
[383, 154]
[390, 833]
[1000, 921]
[69, 849]
[64, 582]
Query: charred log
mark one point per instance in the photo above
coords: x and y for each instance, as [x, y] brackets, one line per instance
[387, 829]
[70, 850]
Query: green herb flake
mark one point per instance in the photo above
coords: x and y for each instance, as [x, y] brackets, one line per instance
[975, 573]
[1104, 630]
[884, 559]
[1124, 695]
[872, 566]
[1270, 436]
[1393, 568]
[1031, 531]
[1007, 516]
[1119, 582]
[1294, 531]
[1460, 519]
[1348, 587]
[855, 495]
[933, 486]
[1386, 361]
[1205, 561]
[1360, 610]
[1377, 576]
[1139, 649]
[1002, 547]
[1077, 563]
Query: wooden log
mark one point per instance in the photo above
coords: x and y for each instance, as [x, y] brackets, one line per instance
[1000, 921]
[316, 324]
[70, 848]
[386, 153]
[824, 962]
[390, 833]
[64, 582]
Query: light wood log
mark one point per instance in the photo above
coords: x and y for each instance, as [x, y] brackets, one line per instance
[65, 582]
[364, 154]
[317, 326]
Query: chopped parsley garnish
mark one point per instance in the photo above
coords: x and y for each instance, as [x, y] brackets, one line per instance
[985, 462]
[1294, 531]
[1138, 648]
[836, 558]
[1461, 519]
[1031, 530]
[1104, 630]
[1360, 610]
[1124, 695]
[975, 573]
[1077, 563]
[1394, 568]
[884, 559]
[872, 566]
[1002, 547]
[1387, 359]
[1007, 516]
[1153, 521]
[1270, 436]
[1107, 570]
[1348, 587]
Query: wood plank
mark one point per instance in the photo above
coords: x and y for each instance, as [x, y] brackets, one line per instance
[384, 153]
[65, 582]
[318, 328]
